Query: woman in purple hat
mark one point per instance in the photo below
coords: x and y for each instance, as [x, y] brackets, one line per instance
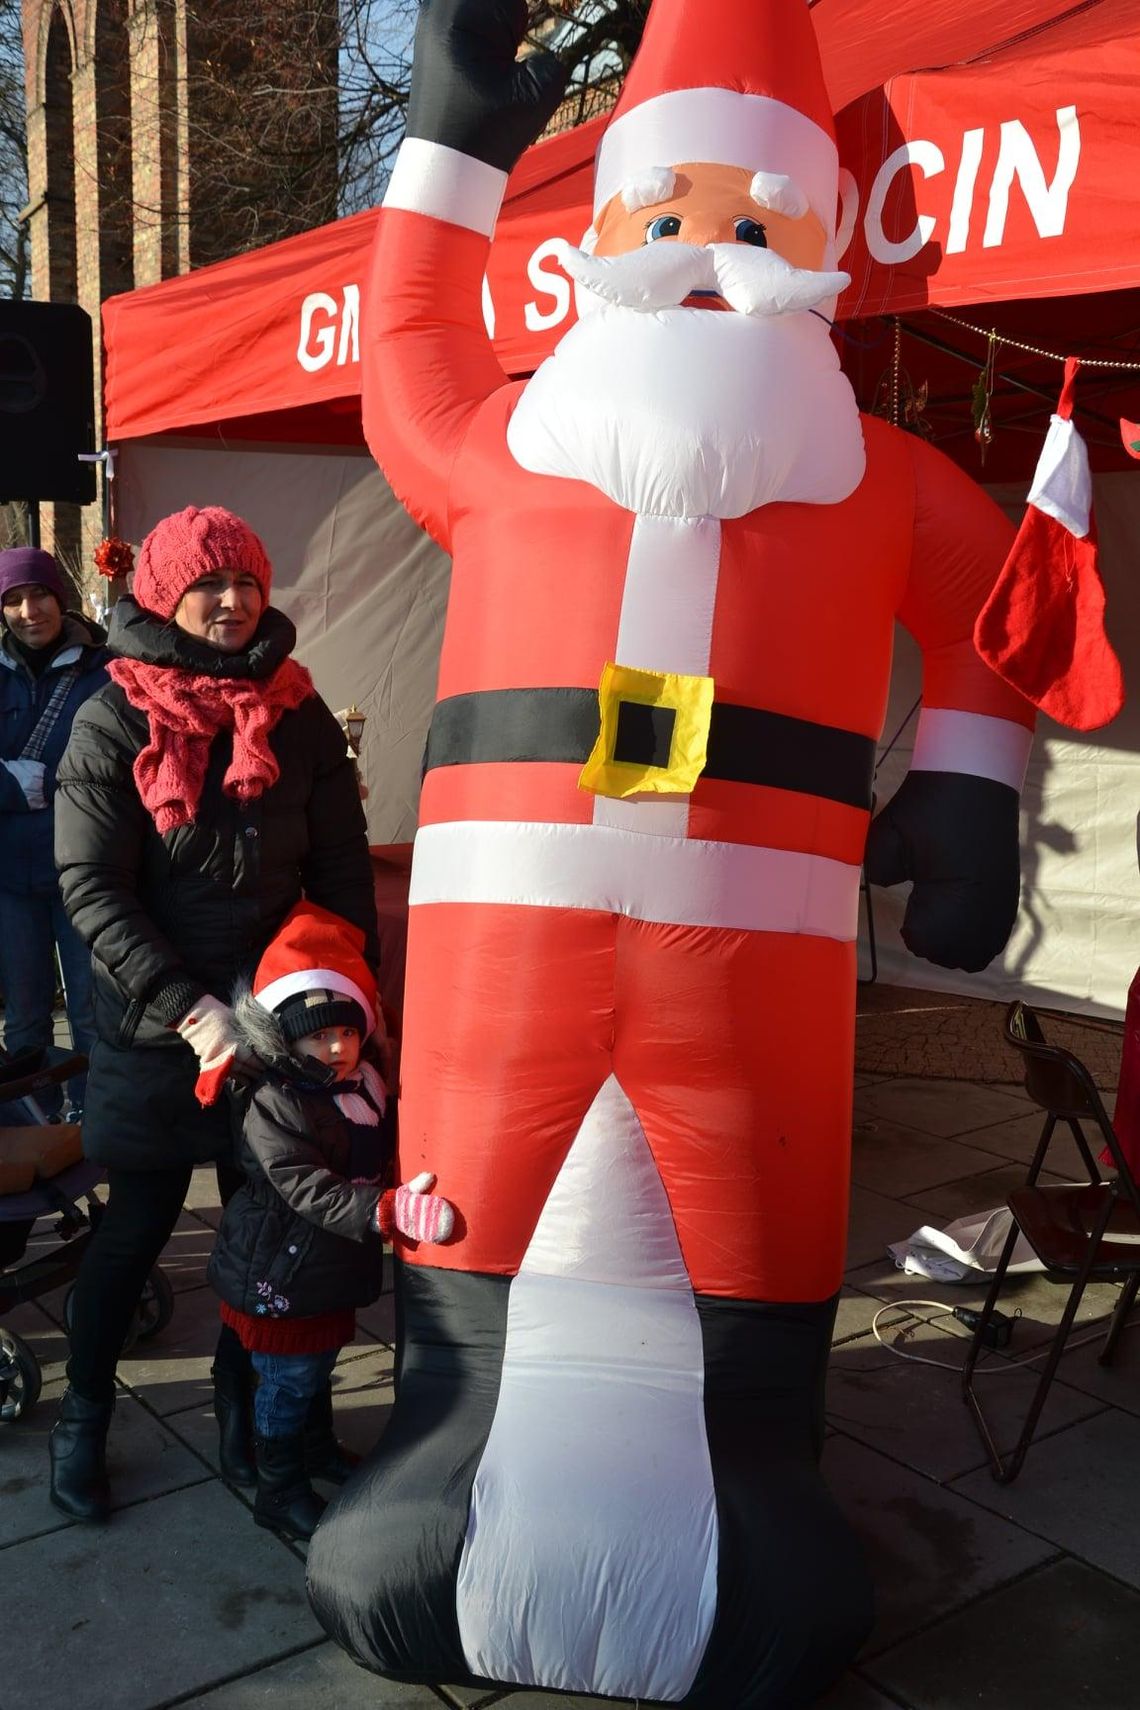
[51, 661]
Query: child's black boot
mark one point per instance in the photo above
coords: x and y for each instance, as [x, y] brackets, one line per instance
[234, 1384]
[286, 1502]
[324, 1457]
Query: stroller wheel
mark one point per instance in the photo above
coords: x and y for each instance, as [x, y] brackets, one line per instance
[19, 1377]
[155, 1308]
[152, 1314]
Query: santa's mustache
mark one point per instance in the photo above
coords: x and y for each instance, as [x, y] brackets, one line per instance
[661, 275]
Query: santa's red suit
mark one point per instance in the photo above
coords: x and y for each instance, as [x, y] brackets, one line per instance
[629, 1022]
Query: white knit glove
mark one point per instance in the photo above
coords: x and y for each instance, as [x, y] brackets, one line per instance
[211, 1033]
[415, 1213]
[29, 774]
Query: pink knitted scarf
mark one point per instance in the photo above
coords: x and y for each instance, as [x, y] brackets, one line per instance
[185, 712]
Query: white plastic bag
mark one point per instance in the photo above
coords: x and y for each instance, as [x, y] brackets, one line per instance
[966, 1249]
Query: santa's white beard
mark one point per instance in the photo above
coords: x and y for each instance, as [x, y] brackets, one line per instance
[693, 412]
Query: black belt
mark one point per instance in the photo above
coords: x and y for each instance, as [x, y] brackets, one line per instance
[745, 746]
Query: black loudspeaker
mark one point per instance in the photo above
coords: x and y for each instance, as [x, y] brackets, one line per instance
[47, 402]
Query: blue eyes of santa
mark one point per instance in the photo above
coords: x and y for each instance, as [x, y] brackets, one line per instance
[669, 225]
[665, 225]
[751, 231]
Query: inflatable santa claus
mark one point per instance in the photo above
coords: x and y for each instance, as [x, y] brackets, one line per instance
[679, 552]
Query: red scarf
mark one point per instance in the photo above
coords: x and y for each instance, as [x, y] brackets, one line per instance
[185, 713]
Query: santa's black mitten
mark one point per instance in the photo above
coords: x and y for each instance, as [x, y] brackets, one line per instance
[956, 837]
[469, 92]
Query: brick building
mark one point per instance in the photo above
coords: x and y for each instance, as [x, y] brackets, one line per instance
[165, 134]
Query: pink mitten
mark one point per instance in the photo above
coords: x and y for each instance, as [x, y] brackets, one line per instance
[415, 1213]
[209, 1031]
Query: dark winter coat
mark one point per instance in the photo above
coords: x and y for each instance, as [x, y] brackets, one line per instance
[299, 1239]
[27, 858]
[171, 916]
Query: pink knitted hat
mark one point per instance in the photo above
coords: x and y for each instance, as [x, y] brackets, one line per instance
[190, 544]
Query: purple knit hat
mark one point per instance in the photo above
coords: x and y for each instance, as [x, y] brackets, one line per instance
[190, 544]
[24, 565]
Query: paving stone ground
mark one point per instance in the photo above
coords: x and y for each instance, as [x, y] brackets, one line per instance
[989, 1597]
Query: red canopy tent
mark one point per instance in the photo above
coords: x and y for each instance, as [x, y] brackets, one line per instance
[991, 154]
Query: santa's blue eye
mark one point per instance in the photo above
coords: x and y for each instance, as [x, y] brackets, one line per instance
[751, 231]
[665, 225]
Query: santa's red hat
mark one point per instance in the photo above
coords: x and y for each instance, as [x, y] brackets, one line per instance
[314, 975]
[729, 83]
[1042, 628]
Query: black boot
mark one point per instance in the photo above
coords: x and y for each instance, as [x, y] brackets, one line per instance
[77, 1444]
[286, 1502]
[324, 1457]
[233, 1409]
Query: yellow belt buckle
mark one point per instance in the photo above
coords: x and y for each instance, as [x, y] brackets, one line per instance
[654, 733]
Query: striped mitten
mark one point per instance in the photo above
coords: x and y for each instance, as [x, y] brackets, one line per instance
[415, 1213]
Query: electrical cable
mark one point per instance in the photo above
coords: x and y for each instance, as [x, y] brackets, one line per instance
[944, 1311]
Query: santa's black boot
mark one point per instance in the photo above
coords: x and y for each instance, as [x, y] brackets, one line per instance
[324, 1456]
[77, 1444]
[286, 1502]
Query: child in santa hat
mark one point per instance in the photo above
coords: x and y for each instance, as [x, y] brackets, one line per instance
[299, 1246]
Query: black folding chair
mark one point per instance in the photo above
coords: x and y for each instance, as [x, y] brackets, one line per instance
[1079, 1232]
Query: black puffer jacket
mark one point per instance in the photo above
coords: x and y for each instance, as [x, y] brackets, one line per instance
[171, 916]
[299, 1238]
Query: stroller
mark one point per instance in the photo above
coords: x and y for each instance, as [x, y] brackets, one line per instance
[43, 1174]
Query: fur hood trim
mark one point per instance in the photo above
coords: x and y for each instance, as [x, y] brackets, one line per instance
[258, 1026]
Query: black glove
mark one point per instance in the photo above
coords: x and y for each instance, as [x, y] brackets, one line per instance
[468, 90]
[957, 837]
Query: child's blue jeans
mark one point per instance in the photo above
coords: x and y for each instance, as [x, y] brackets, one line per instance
[287, 1384]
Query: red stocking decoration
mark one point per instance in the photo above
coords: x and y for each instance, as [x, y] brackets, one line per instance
[1042, 628]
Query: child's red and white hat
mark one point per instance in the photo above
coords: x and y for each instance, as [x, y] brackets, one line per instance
[314, 975]
[728, 83]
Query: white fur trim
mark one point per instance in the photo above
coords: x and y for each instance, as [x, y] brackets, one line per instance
[654, 185]
[431, 179]
[775, 190]
[1062, 484]
[273, 995]
[977, 743]
[676, 881]
[723, 128]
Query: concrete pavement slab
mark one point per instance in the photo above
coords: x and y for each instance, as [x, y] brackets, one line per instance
[1017, 1140]
[853, 1693]
[175, 1595]
[143, 1461]
[379, 1320]
[322, 1676]
[1037, 1303]
[899, 1162]
[362, 1400]
[874, 1222]
[1064, 1638]
[915, 1413]
[473, 1697]
[985, 1191]
[1117, 1384]
[172, 1371]
[928, 1550]
[1080, 1490]
[947, 1108]
[203, 1199]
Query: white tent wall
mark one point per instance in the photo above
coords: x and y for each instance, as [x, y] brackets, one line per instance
[366, 589]
[1077, 941]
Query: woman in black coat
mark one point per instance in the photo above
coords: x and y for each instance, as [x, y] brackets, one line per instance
[203, 792]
